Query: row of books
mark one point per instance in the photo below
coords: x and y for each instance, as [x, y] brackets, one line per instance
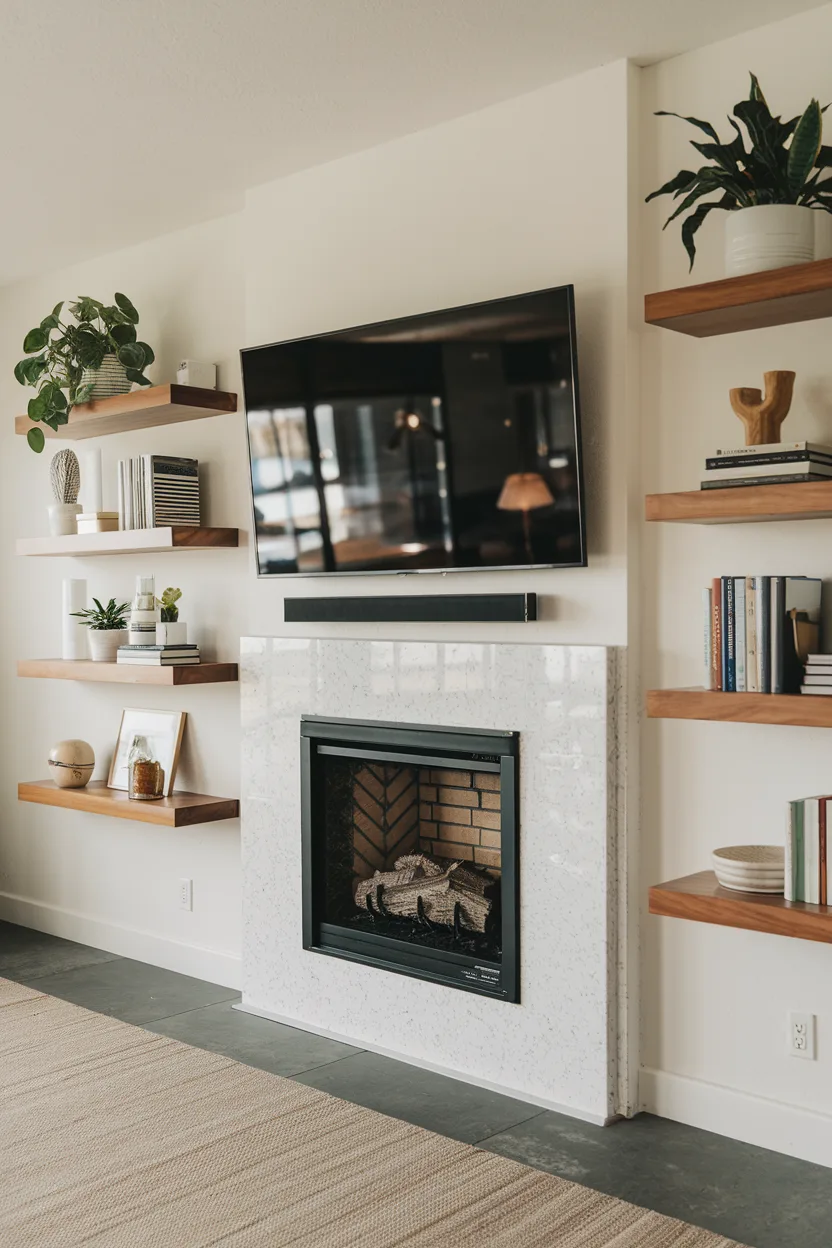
[772, 464]
[158, 656]
[808, 849]
[158, 490]
[758, 631]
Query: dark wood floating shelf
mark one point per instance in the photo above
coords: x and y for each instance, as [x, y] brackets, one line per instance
[128, 673]
[802, 292]
[798, 710]
[140, 409]
[748, 504]
[130, 542]
[701, 898]
[178, 811]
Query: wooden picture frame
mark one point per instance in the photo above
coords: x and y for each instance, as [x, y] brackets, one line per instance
[164, 731]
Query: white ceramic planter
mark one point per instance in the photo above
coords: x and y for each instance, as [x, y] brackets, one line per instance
[104, 642]
[111, 378]
[172, 634]
[770, 236]
[62, 518]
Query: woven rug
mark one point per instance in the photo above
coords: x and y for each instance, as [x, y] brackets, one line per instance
[112, 1137]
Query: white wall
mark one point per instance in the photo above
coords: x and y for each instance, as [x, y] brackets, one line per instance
[716, 1000]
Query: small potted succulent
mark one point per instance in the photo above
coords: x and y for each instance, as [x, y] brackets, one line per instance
[107, 626]
[771, 179]
[171, 631]
[92, 353]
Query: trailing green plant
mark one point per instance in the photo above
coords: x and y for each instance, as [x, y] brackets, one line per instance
[768, 161]
[58, 350]
[109, 617]
[168, 601]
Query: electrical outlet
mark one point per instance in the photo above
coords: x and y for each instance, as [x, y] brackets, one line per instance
[186, 894]
[801, 1036]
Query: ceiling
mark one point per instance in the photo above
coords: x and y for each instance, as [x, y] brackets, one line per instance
[122, 119]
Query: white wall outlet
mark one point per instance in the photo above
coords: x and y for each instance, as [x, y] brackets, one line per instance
[801, 1035]
[186, 894]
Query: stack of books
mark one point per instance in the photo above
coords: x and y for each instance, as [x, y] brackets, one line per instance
[808, 850]
[817, 674]
[158, 490]
[772, 464]
[158, 656]
[755, 629]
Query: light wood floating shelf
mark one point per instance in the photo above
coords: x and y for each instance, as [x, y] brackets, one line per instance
[798, 710]
[128, 673]
[141, 409]
[701, 898]
[179, 811]
[802, 292]
[747, 504]
[130, 542]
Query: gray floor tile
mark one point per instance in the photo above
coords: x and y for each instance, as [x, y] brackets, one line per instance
[26, 954]
[444, 1105]
[133, 991]
[760, 1198]
[255, 1041]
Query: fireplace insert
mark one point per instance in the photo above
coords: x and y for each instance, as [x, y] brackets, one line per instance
[410, 840]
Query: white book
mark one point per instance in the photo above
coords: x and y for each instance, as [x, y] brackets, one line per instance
[775, 448]
[120, 479]
[811, 850]
[751, 469]
[707, 637]
[752, 671]
[739, 634]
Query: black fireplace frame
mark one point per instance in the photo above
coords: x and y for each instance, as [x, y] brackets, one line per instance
[422, 745]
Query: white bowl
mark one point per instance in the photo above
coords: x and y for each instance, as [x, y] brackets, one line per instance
[750, 858]
[776, 890]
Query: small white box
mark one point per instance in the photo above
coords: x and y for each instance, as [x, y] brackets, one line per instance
[197, 373]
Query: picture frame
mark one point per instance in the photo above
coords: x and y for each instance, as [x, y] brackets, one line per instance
[163, 731]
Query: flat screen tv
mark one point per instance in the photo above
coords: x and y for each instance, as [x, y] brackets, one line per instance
[438, 442]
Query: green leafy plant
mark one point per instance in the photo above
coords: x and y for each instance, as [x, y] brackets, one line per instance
[168, 601]
[768, 161]
[109, 617]
[58, 350]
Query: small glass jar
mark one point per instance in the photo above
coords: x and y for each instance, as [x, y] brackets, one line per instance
[145, 775]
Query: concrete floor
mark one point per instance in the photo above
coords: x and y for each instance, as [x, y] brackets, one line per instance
[760, 1198]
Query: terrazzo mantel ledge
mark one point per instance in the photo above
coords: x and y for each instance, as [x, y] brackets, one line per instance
[555, 1047]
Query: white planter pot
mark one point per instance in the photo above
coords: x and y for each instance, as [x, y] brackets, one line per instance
[172, 634]
[770, 236]
[62, 518]
[111, 378]
[104, 642]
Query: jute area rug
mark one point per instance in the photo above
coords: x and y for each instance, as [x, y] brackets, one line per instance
[111, 1137]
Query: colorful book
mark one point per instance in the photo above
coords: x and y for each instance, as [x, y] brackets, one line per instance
[716, 644]
[707, 637]
[739, 633]
[811, 850]
[729, 665]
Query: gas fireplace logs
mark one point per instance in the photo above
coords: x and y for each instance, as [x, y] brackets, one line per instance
[428, 888]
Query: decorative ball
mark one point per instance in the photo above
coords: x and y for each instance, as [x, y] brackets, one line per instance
[72, 763]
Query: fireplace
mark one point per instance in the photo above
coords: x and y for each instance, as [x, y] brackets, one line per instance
[410, 836]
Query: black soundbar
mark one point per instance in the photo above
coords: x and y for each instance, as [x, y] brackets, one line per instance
[413, 609]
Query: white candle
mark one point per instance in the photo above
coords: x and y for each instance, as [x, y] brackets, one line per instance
[91, 491]
[73, 632]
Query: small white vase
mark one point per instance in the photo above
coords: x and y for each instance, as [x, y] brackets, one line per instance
[62, 518]
[111, 378]
[172, 634]
[768, 236]
[104, 642]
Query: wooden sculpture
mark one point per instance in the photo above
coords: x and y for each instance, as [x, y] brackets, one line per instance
[761, 416]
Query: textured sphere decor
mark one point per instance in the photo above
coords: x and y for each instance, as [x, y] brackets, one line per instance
[71, 763]
[65, 475]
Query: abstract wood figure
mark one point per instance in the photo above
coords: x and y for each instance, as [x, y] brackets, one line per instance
[763, 416]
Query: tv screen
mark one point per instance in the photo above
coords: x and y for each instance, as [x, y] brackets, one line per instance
[444, 441]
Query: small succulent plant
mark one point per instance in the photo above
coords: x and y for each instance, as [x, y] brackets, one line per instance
[168, 601]
[110, 617]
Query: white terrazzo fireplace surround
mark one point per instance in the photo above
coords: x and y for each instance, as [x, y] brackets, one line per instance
[557, 1047]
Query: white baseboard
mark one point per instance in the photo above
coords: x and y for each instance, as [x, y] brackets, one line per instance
[127, 942]
[534, 1102]
[789, 1129]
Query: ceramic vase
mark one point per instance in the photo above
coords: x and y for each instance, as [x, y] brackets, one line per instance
[63, 518]
[71, 763]
[768, 236]
[104, 643]
[175, 634]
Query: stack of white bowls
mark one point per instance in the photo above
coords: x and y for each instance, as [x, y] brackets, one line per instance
[751, 868]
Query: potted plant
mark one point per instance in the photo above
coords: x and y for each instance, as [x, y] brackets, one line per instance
[769, 178]
[107, 626]
[92, 353]
[171, 631]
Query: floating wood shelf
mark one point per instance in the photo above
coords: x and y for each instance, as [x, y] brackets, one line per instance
[128, 673]
[802, 292]
[799, 710]
[130, 542]
[701, 898]
[179, 811]
[141, 409]
[747, 504]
